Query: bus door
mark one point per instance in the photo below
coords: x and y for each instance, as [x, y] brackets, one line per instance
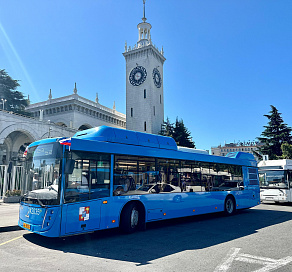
[85, 187]
[80, 216]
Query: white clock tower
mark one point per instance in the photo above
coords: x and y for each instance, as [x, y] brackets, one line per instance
[144, 83]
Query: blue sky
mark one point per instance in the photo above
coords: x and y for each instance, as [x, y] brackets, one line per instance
[226, 62]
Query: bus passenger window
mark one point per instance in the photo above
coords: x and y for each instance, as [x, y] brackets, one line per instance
[90, 178]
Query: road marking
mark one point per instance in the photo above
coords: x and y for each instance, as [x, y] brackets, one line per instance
[268, 263]
[10, 240]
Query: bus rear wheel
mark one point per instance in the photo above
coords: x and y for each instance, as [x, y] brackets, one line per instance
[229, 206]
[130, 218]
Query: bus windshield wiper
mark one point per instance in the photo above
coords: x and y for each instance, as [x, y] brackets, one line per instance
[41, 204]
[52, 188]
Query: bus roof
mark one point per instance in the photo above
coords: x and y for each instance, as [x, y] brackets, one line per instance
[123, 136]
[273, 164]
[120, 141]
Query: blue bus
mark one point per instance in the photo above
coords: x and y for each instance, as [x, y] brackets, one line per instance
[106, 177]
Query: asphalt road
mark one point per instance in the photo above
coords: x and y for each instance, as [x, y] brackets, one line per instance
[257, 239]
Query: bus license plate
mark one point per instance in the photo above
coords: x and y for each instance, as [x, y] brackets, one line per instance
[27, 226]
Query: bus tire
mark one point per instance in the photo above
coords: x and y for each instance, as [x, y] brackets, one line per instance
[229, 205]
[130, 218]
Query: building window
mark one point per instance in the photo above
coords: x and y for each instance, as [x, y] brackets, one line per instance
[144, 93]
[131, 112]
[154, 110]
[145, 127]
[160, 99]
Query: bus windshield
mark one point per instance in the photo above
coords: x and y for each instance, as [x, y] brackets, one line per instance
[273, 178]
[43, 175]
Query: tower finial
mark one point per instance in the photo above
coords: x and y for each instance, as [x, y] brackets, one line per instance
[75, 89]
[50, 94]
[144, 18]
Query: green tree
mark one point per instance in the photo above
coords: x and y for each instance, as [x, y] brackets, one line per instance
[181, 134]
[286, 151]
[275, 134]
[178, 132]
[15, 100]
[167, 128]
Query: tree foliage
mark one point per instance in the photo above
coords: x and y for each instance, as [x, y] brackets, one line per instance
[178, 132]
[167, 128]
[15, 100]
[286, 151]
[275, 134]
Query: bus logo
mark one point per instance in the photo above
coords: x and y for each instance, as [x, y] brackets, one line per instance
[83, 213]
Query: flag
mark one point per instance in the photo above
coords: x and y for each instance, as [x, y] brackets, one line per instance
[66, 141]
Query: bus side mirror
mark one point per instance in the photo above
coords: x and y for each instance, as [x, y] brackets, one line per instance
[9, 170]
[69, 166]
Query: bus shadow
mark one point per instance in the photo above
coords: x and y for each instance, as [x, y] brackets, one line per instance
[166, 237]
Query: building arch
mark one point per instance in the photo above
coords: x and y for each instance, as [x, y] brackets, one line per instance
[14, 145]
[21, 127]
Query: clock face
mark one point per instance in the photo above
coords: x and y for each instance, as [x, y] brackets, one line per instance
[156, 78]
[138, 75]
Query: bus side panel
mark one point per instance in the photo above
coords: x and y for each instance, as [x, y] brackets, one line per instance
[254, 195]
[173, 205]
[81, 217]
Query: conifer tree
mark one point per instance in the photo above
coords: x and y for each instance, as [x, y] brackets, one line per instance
[178, 132]
[275, 134]
[167, 128]
[15, 100]
[181, 134]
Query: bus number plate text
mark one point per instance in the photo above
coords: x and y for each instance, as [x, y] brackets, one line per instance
[27, 226]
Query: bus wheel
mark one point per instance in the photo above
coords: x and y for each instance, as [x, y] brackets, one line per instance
[229, 205]
[130, 218]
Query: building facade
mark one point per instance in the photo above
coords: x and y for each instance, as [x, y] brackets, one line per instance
[144, 82]
[77, 112]
[247, 147]
[58, 117]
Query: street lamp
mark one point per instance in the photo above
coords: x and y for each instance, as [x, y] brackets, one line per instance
[3, 101]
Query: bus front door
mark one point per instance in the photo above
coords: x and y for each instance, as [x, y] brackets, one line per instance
[81, 217]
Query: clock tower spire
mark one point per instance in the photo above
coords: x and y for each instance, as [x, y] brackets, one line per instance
[144, 18]
[144, 82]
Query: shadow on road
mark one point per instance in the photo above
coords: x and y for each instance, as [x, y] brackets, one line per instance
[10, 228]
[166, 237]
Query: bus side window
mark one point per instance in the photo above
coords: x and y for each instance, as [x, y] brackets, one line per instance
[100, 176]
[90, 178]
